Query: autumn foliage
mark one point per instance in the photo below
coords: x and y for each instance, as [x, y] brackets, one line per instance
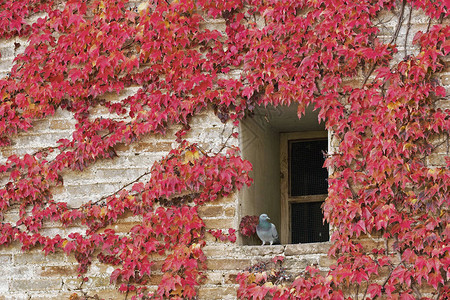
[247, 226]
[289, 51]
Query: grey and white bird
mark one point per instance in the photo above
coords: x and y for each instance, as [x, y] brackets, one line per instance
[266, 231]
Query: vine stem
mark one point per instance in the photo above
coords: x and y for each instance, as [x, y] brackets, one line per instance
[224, 144]
[368, 74]
[365, 292]
[120, 189]
[399, 24]
[387, 279]
[429, 24]
[407, 31]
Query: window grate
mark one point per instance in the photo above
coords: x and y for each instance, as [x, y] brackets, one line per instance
[307, 177]
[307, 174]
[307, 223]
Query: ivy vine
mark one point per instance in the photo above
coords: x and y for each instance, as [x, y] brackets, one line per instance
[308, 52]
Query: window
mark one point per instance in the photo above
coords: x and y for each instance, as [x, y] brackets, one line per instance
[289, 181]
[303, 187]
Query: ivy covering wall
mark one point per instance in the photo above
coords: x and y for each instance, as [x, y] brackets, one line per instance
[383, 101]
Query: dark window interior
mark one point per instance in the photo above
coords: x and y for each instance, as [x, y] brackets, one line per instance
[307, 223]
[307, 177]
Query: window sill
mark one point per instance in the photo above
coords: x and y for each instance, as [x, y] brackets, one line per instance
[288, 249]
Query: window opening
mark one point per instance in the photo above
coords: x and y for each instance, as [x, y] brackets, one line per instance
[267, 137]
[304, 186]
[307, 177]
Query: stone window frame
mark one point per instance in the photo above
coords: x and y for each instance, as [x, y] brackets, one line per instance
[285, 198]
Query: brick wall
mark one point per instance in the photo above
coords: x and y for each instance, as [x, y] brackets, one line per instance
[32, 275]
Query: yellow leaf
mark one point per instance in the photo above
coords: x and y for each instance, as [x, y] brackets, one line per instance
[31, 106]
[432, 171]
[393, 105]
[191, 156]
[196, 154]
[407, 146]
[101, 9]
[178, 291]
[251, 278]
[103, 212]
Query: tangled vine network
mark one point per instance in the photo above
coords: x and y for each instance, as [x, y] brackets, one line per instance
[385, 114]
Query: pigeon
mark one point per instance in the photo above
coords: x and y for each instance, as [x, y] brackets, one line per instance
[266, 231]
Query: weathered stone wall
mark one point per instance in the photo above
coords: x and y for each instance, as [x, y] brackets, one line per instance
[32, 275]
